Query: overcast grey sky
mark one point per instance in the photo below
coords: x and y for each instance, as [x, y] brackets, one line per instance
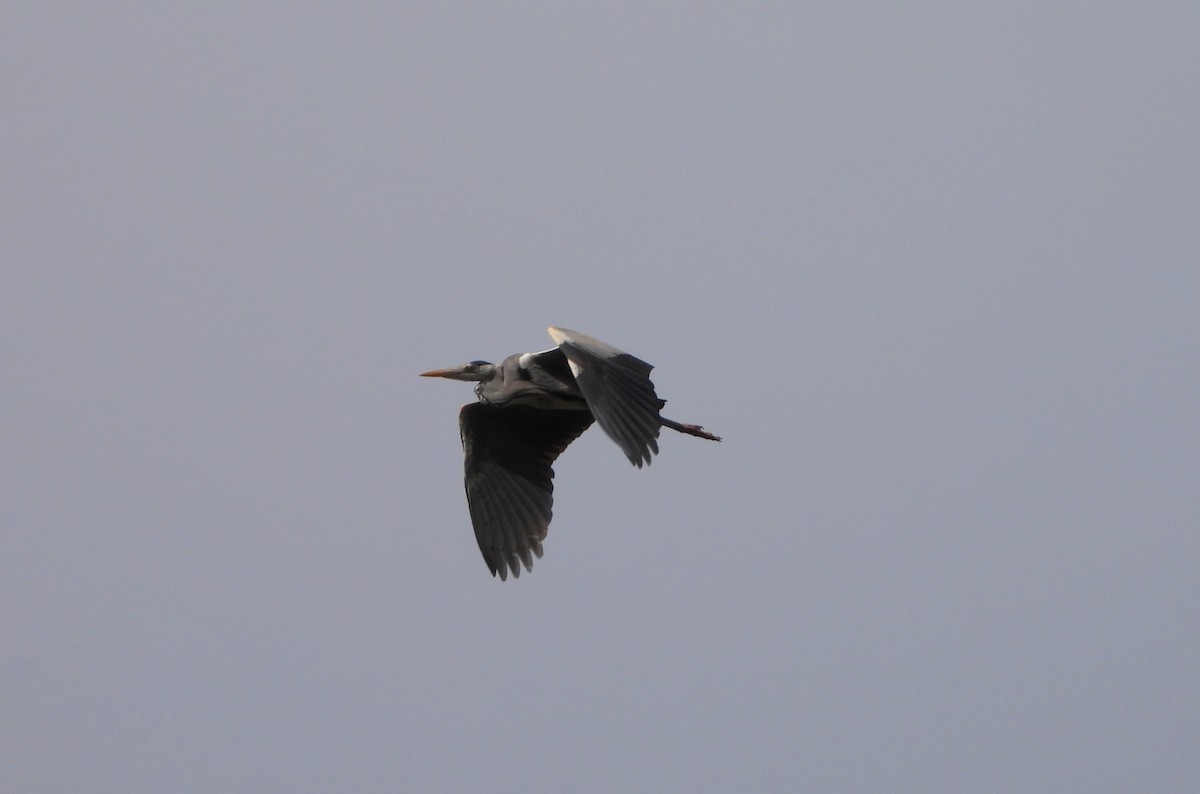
[931, 269]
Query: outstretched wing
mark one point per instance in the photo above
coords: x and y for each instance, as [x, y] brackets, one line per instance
[618, 390]
[509, 452]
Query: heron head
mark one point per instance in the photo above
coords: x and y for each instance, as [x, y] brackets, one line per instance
[475, 370]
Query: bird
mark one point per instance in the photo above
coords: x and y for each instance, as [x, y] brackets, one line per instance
[529, 408]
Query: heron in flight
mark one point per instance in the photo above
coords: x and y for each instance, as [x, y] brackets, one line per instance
[531, 406]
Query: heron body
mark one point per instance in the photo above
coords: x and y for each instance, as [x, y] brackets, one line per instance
[531, 407]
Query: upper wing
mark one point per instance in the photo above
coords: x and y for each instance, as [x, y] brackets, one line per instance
[618, 390]
[509, 452]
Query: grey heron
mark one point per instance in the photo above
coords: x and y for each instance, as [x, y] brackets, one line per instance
[530, 407]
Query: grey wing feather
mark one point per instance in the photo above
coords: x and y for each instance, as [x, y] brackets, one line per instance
[509, 452]
[618, 391]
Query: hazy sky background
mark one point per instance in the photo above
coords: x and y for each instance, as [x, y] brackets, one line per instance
[932, 270]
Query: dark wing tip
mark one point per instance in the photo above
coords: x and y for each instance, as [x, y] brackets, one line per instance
[503, 561]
